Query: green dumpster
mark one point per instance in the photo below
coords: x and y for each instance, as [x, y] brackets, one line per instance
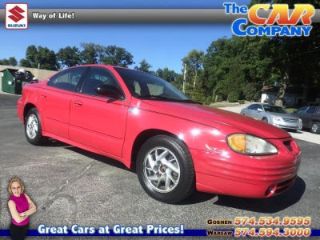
[12, 80]
[8, 81]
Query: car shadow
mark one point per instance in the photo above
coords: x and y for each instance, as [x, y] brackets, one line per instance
[53, 143]
[266, 205]
[197, 197]
[100, 158]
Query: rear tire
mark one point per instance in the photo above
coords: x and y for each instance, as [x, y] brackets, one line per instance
[165, 169]
[315, 127]
[33, 129]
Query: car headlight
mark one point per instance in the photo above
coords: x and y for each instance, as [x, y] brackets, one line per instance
[300, 124]
[247, 144]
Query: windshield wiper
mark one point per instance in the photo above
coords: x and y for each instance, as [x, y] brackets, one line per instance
[188, 101]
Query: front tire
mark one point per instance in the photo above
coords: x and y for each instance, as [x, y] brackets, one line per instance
[32, 127]
[165, 169]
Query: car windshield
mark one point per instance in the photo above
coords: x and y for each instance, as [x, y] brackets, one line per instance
[275, 109]
[147, 86]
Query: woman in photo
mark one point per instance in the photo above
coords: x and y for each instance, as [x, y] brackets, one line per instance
[20, 207]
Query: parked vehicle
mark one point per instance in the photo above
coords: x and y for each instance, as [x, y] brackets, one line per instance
[175, 145]
[310, 116]
[274, 115]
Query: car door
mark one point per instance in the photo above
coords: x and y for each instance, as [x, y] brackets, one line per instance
[55, 101]
[97, 121]
[260, 113]
[248, 111]
[254, 111]
[301, 113]
[307, 117]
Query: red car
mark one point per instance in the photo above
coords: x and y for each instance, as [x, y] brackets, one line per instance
[176, 145]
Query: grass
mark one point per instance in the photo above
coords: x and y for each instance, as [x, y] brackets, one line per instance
[290, 110]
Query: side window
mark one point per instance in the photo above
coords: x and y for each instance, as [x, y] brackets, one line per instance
[137, 88]
[155, 89]
[311, 109]
[68, 79]
[253, 107]
[95, 78]
[302, 110]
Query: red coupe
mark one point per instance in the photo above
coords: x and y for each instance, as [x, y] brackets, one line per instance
[175, 144]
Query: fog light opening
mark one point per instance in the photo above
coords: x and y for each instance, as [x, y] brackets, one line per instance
[271, 191]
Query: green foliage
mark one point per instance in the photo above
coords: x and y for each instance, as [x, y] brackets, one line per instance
[144, 66]
[94, 53]
[90, 53]
[236, 68]
[116, 56]
[234, 96]
[193, 64]
[168, 75]
[69, 56]
[40, 57]
[11, 61]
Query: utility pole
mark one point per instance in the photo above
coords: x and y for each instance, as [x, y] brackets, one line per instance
[184, 78]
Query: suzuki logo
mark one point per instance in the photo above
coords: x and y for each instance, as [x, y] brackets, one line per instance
[16, 14]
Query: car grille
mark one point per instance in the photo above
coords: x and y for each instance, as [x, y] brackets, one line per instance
[290, 120]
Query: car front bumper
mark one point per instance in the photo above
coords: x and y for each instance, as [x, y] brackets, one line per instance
[288, 125]
[230, 173]
[20, 109]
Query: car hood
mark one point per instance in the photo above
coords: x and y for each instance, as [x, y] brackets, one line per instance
[208, 116]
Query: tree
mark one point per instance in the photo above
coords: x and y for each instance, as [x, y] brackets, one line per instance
[193, 63]
[69, 56]
[4, 62]
[166, 74]
[25, 63]
[89, 53]
[95, 53]
[11, 61]
[296, 61]
[40, 57]
[144, 66]
[237, 68]
[117, 56]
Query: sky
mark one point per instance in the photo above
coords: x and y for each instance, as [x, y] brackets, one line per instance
[160, 45]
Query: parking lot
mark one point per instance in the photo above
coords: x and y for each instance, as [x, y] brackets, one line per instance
[71, 186]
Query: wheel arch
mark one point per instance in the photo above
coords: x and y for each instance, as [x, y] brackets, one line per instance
[143, 136]
[26, 109]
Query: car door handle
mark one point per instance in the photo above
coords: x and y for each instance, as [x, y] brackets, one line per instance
[78, 103]
[43, 96]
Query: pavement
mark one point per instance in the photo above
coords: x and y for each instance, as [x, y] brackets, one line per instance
[72, 186]
[301, 135]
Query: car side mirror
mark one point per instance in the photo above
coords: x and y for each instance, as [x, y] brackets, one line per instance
[260, 110]
[109, 91]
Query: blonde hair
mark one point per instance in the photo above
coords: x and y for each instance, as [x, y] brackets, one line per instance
[18, 180]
